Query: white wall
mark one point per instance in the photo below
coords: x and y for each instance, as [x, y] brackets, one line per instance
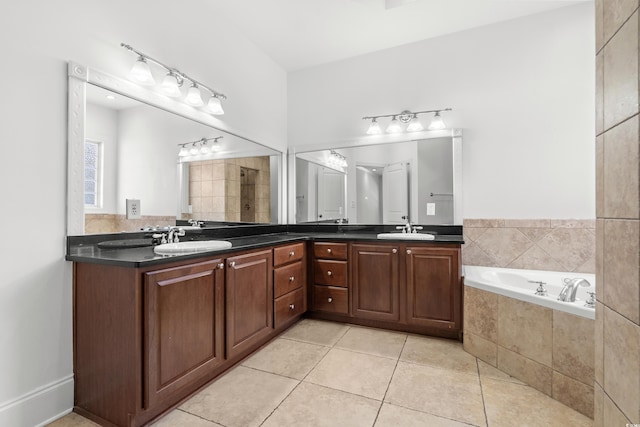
[37, 39]
[523, 91]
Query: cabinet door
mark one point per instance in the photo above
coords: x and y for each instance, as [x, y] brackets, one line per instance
[374, 282]
[184, 324]
[433, 287]
[249, 295]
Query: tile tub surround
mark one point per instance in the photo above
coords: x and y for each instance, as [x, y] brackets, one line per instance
[321, 373]
[555, 355]
[531, 244]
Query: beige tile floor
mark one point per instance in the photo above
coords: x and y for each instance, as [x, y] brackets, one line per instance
[328, 374]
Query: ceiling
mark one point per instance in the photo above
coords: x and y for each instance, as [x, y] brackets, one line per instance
[299, 34]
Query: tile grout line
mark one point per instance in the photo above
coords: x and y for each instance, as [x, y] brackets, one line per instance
[195, 415]
[484, 405]
[404, 344]
[302, 380]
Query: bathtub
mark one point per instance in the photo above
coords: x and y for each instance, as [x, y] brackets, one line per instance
[515, 284]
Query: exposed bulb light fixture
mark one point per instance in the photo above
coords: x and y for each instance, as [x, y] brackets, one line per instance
[404, 117]
[214, 106]
[194, 97]
[199, 147]
[141, 73]
[337, 160]
[437, 122]
[173, 81]
[374, 128]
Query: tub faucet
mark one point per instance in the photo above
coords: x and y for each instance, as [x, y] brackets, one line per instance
[568, 292]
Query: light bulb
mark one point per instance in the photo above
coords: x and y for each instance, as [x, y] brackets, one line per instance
[140, 73]
[215, 106]
[170, 86]
[194, 151]
[374, 128]
[437, 122]
[394, 126]
[194, 97]
[414, 124]
[183, 152]
[205, 149]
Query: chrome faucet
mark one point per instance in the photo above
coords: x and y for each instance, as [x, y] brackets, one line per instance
[568, 292]
[409, 227]
[196, 223]
[174, 232]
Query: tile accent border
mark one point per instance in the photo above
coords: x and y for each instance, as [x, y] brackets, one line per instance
[531, 244]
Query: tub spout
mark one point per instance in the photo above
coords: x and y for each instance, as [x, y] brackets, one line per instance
[570, 288]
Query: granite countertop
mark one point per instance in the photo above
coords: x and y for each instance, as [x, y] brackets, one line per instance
[91, 248]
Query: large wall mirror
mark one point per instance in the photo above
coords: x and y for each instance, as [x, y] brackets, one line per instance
[388, 182]
[125, 143]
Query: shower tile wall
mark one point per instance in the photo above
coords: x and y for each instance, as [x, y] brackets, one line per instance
[617, 335]
[532, 244]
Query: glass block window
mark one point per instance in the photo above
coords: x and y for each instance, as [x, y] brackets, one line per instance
[92, 174]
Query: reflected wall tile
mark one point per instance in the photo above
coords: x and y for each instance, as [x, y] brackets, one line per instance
[622, 267]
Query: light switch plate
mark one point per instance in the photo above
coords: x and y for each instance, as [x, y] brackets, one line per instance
[431, 208]
[133, 209]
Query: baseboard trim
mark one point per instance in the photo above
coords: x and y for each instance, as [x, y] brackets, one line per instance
[40, 406]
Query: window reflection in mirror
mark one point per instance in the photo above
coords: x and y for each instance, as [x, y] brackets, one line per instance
[384, 184]
[140, 146]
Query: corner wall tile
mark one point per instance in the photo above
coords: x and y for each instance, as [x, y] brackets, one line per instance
[573, 347]
[600, 285]
[599, 176]
[614, 13]
[622, 363]
[620, 67]
[599, 344]
[481, 313]
[598, 406]
[622, 267]
[481, 348]
[620, 170]
[612, 415]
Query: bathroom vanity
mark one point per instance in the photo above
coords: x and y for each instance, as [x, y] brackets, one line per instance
[150, 330]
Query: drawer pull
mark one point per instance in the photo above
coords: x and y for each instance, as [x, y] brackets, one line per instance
[394, 251]
[292, 306]
[408, 251]
[220, 266]
[329, 273]
[329, 299]
[232, 263]
[292, 253]
[329, 250]
[291, 278]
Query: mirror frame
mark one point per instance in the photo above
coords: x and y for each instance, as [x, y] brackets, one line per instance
[78, 77]
[456, 138]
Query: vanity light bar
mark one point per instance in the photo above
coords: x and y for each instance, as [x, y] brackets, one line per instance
[404, 117]
[173, 81]
[197, 147]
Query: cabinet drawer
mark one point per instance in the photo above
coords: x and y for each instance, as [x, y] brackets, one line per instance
[286, 254]
[332, 273]
[330, 250]
[287, 278]
[288, 306]
[329, 298]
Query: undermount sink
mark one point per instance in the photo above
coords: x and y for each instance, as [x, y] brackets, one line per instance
[406, 236]
[191, 247]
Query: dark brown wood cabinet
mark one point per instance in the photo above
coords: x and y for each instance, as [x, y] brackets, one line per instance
[330, 278]
[375, 292]
[289, 283]
[249, 300]
[433, 276]
[184, 317]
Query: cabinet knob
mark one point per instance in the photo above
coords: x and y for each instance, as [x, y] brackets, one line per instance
[292, 253]
[291, 278]
[292, 306]
[329, 273]
[329, 250]
[329, 299]
[232, 263]
[394, 251]
[408, 251]
[220, 266]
